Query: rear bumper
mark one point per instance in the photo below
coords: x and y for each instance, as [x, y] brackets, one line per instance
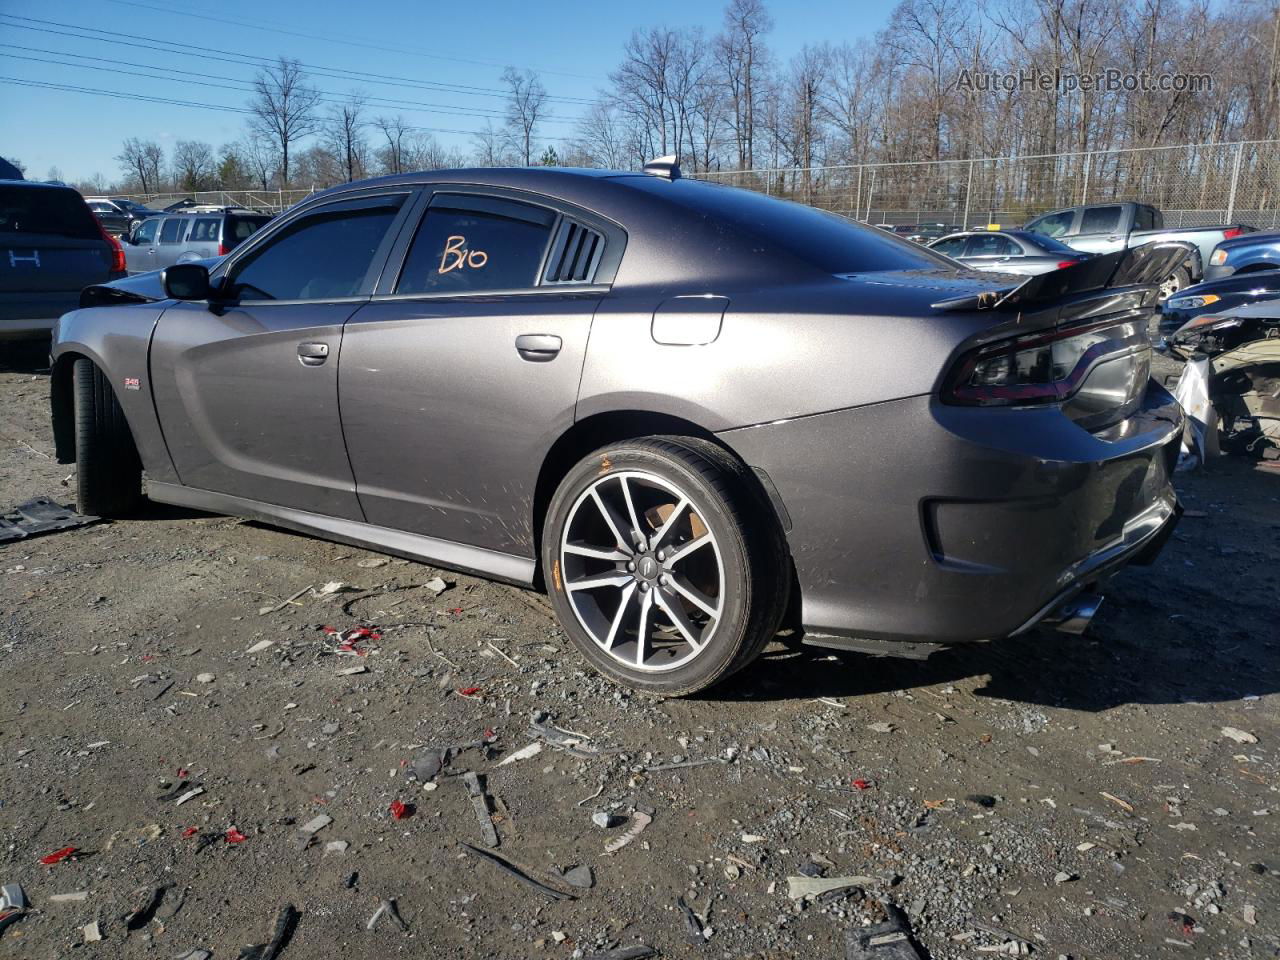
[919, 522]
[30, 315]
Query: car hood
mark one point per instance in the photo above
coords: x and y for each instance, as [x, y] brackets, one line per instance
[140, 288]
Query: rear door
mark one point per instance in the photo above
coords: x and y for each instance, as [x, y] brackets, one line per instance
[203, 238]
[456, 377]
[168, 246]
[246, 387]
[50, 249]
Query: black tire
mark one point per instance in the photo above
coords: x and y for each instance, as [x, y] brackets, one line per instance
[108, 471]
[751, 547]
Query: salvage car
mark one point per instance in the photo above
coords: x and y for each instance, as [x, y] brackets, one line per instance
[1238, 256]
[1008, 251]
[1215, 296]
[652, 397]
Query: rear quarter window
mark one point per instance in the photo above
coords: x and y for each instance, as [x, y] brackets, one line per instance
[48, 211]
[827, 240]
[240, 228]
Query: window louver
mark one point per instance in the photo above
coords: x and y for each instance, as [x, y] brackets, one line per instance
[574, 254]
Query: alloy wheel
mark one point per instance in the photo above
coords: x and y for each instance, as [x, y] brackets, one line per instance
[642, 571]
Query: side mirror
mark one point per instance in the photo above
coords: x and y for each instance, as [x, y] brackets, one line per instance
[186, 281]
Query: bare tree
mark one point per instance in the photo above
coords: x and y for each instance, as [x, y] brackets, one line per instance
[261, 156]
[526, 106]
[283, 107]
[395, 130]
[491, 148]
[141, 160]
[192, 164]
[345, 134]
[743, 58]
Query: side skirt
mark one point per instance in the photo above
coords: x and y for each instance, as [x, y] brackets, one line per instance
[457, 556]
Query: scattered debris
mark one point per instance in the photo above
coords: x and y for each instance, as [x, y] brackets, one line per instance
[38, 516]
[606, 820]
[524, 753]
[1062, 876]
[881, 726]
[638, 952]
[13, 904]
[286, 923]
[315, 825]
[145, 906]
[92, 932]
[693, 929]
[480, 804]
[506, 866]
[59, 855]
[1238, 735]
[436, 585]
[580, 876]
[890, 940]
[78, 896]
[194, 954]
[205, 678]
[800, 887]
[400, 810]
[263, 611]
[981, 800]
[336, 846]
[189, 795]
[387, 908]
[639, 820]
[260, 646]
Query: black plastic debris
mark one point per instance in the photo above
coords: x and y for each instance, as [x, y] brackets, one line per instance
[638, 952]
[286, 922]
[38, 516]
[890, 940]
[146, 900]
[506, 866]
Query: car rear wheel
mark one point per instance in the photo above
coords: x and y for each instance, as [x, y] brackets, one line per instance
[1176, 281]
[665, 567]
[108, 471]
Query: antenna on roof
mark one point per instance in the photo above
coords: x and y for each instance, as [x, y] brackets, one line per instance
[665, 167]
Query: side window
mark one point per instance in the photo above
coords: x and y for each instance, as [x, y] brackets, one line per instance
[146, 232]
[204, 230]
[171, 232]
[952, 246]
[1144, 218]
[324, 255]
[1100, 219]
[991, 245]
[470, 244]
[1054, 225]
[102, 208]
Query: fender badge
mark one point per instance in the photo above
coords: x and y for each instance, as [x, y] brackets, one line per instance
[132, 383]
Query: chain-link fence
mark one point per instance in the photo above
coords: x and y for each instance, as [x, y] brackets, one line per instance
[263, 201]
[1193, 185]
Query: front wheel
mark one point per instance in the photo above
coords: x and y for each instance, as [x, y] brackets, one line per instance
[108, 471]
[664, 565]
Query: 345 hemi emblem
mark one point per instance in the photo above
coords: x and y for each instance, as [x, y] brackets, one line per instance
[132, 383]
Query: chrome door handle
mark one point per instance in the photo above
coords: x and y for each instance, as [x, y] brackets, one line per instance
[313, 354]
[538, 347]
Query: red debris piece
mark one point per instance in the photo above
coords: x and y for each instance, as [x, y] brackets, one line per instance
[190, 831]
[468, 691]
[347, 639]
[401, 811]
[182, 773]
[456, 611]
[861, 784]
[235, 836]
[59, 855]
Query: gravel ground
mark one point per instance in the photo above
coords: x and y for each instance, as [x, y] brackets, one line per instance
[1076, 795]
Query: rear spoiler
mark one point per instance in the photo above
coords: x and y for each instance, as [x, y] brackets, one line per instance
[1133, 271]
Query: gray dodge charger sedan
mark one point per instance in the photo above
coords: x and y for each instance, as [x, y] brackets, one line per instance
[694, 415]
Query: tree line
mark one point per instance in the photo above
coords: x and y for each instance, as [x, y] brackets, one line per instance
[727, 101]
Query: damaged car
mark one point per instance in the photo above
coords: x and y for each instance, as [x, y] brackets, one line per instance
[694, 415]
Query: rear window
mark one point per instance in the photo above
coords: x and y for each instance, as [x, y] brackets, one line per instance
[240, 227]
[1100, 219]
[1049, 245]
[828, 241]
[48, 211]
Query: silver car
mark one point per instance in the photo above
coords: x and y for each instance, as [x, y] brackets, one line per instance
[161, 242]
[1008, 251]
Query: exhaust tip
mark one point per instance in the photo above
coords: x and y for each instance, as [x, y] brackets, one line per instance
[1075, 615]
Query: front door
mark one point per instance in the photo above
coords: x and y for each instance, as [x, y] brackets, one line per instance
[246, 386]
[454, 384]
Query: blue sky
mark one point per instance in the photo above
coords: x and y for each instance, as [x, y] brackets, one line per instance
[466, 44]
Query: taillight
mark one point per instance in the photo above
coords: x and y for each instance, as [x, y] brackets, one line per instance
[1063, 264]
[1055, 366]
[223, 249]
[117, 250]
[1230, 232]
